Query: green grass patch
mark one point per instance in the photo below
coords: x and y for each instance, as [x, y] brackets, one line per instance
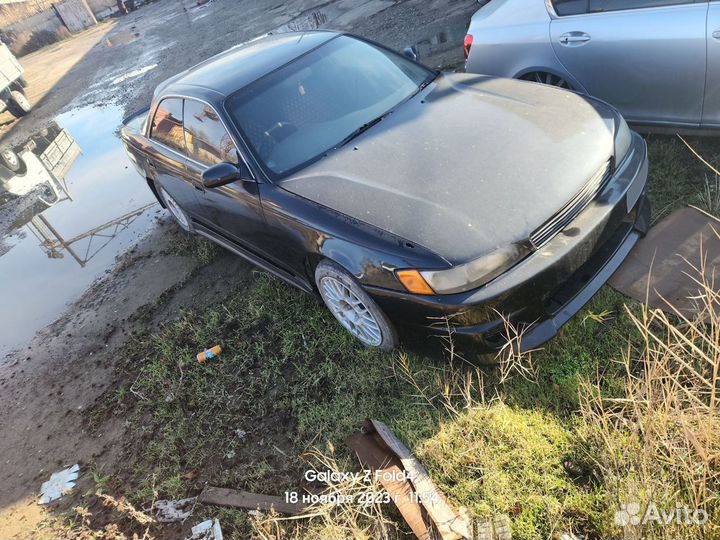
[290, 379]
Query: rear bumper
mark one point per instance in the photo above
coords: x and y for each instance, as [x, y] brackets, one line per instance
[544, 291]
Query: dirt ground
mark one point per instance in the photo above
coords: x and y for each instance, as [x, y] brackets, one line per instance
[45, 387]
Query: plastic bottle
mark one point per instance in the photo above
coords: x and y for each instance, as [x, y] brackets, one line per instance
[209, 355]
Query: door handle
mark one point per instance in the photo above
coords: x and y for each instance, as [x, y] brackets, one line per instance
[574, 38]
[716, 34]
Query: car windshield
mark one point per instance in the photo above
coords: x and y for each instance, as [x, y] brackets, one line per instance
[297, 113]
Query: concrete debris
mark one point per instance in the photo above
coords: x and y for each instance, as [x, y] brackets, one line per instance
[171, 511]
[207, 530]
[59, 484]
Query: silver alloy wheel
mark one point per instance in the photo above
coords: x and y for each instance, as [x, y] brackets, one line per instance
[547, 78]
[175, 209]
[350, 310]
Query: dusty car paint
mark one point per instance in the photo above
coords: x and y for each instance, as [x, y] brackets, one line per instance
[465, 165]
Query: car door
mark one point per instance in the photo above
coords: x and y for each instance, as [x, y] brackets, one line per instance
[233, 210]
[645, 57]
[711, 106]
[168, 161]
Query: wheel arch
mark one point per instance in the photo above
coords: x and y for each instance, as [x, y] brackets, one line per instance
[151, 185]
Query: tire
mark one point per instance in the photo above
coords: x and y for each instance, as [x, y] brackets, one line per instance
[181, 217]
[10, 160]
[353, 308]
[19, 104]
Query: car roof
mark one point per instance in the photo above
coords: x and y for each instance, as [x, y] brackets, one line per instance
[239, 66]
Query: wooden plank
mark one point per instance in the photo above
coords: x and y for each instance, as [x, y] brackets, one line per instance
[250, 501]
[374, 454]
[450, 524]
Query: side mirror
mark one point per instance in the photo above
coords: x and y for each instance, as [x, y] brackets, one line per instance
[411, 53]
[221, 175]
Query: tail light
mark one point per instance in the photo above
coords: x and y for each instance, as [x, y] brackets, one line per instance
[467, 44]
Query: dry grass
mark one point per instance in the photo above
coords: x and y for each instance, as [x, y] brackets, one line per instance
[346, 508]
[660, 443]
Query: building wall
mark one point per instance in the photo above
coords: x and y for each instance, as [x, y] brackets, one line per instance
[30, 25]
[102, 8]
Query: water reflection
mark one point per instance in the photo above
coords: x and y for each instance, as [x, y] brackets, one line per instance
[70, 202]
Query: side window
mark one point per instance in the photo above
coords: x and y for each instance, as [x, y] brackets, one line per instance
[571, 7]
[167, 124]
[208, 142]
[619, 5]
[580, 7]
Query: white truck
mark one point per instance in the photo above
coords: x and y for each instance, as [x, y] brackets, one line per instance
[12, 84]
[43, 161]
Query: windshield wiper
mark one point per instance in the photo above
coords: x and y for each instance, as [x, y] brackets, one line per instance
[362, 129]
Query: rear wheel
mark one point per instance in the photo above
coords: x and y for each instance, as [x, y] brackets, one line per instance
[547, 78]
[10, 159]
[19, 105]
[174, 208]
[353, 307]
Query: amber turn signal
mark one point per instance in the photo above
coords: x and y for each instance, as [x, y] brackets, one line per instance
[414, 282]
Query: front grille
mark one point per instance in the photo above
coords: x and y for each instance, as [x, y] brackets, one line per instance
[572, 209]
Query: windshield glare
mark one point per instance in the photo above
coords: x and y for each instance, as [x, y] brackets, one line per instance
[300, 111]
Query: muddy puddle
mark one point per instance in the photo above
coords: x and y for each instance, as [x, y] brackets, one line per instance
[70, 203]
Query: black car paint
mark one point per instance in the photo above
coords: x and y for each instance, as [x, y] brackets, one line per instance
[288, 234]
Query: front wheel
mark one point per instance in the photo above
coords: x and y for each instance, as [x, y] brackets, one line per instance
[174, 208]
[353, 307]
[18, 104]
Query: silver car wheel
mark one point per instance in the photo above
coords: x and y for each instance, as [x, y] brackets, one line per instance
[175, 209]
[350, 311]
[548, 79]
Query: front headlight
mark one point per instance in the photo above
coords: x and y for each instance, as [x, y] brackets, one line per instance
[474, 274]
[623, 139]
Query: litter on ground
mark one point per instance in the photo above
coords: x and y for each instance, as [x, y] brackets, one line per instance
[170, 511]
[59, 484]
[207, 530]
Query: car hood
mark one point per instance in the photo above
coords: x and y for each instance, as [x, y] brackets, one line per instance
[470, 164]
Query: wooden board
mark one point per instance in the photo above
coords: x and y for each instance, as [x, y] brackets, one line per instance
[450, 524]
[374, 455]
[250, 501]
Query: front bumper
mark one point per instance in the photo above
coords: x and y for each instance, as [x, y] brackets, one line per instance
[541, 293]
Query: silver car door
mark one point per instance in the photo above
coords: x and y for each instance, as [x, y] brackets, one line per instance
[711, 107]
[645, 57]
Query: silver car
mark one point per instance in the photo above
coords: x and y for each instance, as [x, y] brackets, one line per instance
[657, 61]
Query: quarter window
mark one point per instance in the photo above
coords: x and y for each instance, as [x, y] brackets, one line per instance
[167, 124]
[208, 142]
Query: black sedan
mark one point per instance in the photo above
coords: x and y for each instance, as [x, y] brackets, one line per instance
[400, 195]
